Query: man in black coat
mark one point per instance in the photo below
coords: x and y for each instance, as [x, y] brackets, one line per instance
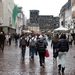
[41, 48]
[2, 40]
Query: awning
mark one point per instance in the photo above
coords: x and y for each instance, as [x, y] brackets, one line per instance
[7, 26]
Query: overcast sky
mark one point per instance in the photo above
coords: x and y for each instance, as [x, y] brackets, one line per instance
[46, 7]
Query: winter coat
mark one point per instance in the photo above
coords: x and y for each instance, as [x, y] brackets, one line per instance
[23, 43]
[2, 37]
[41, 46]
[63, 45]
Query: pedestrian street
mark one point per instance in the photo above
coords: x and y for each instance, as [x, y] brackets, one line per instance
[11, 62]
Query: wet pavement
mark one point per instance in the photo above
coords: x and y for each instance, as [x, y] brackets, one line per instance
[70, 61]
[11, 62]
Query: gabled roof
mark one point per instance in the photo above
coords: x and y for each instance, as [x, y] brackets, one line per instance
[66, 6]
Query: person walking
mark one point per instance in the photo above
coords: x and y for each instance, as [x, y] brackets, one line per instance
[16, 39]
[63, 47]
[70, 39]
[9, 39]
[2, 40]
[32, 46]
[22, 45]
[54, 43]
[41, 48]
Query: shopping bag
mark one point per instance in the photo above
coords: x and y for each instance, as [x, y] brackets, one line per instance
[47, 53]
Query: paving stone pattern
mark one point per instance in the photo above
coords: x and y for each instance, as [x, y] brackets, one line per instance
[11, 62]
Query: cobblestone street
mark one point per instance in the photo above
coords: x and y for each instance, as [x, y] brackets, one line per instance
[70, 62]
[12, 64]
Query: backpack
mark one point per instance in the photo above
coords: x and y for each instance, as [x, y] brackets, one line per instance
[41, 47]
[32, 43]
[23, 42]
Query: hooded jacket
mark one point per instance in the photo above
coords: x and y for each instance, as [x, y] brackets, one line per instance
[41, 46]
[63, 44]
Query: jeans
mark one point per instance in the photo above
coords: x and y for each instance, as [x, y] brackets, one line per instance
[16, 42]
[23, 51]
[32, 51]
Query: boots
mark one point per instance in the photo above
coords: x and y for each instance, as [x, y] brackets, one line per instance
[63, 70]
[59, 68]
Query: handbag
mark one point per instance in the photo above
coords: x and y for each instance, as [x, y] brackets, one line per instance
[47, 53]
[55, 53]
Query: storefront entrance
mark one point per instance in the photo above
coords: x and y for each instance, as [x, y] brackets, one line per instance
[1, 29]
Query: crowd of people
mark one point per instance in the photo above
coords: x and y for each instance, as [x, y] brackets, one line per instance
[5, 39]
[37, 45]
[60, 45]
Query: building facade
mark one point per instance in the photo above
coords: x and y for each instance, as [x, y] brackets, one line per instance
[1, 12]
[20, 21]
[48, 23]
[65, 14]
[67, 17]
[6, 8]
[45, 22]
[73, 14]
[33, 22]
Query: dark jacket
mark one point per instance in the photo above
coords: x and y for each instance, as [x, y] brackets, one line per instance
[54, 44]
[2, 37]
[23, 43]
[16, 37]
[63, 45]
[41, 46]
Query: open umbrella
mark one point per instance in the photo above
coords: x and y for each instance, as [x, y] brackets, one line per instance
[27, 31]
[60, 29]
